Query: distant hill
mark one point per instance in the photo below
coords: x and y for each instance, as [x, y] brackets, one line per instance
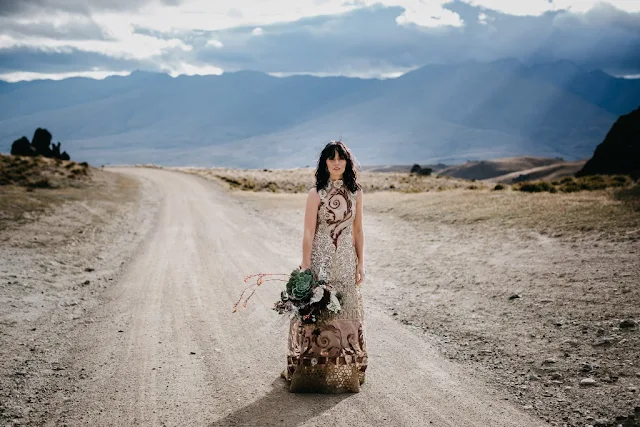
[401, 168]
[488, 169]
[542, 173]
[617, 96]
[436, 114]
[619, 153]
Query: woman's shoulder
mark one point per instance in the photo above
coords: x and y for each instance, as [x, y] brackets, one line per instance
[315, 194]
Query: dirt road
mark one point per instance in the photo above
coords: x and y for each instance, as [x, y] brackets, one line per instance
[166, 350]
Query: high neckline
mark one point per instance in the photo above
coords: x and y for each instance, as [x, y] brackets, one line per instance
[334, 183]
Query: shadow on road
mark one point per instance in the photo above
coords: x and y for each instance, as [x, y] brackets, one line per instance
[281, 408]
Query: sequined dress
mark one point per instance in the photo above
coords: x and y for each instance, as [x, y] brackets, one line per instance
[330, 356]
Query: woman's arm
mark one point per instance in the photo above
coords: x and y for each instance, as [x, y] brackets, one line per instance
[358, 238]
[310, 218]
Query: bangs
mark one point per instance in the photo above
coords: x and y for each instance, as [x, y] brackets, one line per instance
[337, 149]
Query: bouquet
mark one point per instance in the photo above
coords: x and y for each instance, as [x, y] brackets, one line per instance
[305, 297]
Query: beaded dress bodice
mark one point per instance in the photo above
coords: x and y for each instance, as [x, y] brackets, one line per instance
[333, 254]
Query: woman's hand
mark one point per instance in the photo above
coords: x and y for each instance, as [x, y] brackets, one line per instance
[359, 273]
[303, 266]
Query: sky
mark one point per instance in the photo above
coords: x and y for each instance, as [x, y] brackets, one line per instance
[358, 38]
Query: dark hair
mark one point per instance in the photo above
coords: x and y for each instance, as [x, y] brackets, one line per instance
[350, 176]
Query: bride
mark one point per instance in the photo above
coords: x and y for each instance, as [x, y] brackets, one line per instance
[330, 356]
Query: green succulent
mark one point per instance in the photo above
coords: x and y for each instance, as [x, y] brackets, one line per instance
[300, 284]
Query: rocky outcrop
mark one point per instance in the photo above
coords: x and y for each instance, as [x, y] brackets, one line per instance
[22, 147]
[619, 153]
[419, 170]
[40, 145]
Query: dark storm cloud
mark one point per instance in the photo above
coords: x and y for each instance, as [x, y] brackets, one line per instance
[603, 38]
[315, 44]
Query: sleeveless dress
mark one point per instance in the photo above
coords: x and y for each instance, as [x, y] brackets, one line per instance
[330, 356]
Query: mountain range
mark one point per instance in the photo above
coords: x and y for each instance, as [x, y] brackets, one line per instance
[435, 114]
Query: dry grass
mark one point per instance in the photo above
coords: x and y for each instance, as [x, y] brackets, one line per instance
[570, 184]
[41, 172]
[612, 213]
[572, 258]
[611, 210]
[33, 186]
[302, 179]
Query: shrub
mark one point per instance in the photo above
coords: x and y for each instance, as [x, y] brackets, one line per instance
[570, 188]
[78, 172]
[498, 187]
[631, 194]
[593, 185]
[232, 182]
[417, 169]
[271, 186]
[425, 171]
[570, 184]
[535, 187]
[41, 183]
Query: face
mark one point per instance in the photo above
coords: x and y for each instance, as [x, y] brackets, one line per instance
[336, 165]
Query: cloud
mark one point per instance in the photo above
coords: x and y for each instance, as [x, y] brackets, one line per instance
[215, 43]
[64, 27]
[81, 7]
[368, 38]
[425, 14]
[539, 7]
[370, 73]
[34, 60]
[117, 39]
[189, 69]
[28, 75]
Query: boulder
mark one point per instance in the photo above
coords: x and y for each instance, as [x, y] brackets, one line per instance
[41, 142]
[22, 147]
[55, 150]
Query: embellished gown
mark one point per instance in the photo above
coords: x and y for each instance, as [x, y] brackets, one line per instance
[330, 356]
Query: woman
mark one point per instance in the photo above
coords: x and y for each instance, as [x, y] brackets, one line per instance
[330, 356]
